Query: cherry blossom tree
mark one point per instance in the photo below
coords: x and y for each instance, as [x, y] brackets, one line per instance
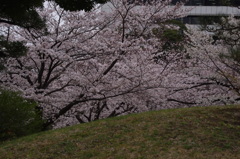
[128, 57]
[227, 33]
[211, 74]
[91, 65]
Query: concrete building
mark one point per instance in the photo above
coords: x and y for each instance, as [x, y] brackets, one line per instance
[203, 8]
[210, 8]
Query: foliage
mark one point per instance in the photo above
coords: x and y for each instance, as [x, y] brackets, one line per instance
[234, 54]
[18, 116]
[202, 132]
[226, 34]
[74, 5]
[174, 39]
[128, 58]
[18, 13]
[68, 76]
[24, 13]
[11, 49]
[173, 31]
[208, 21]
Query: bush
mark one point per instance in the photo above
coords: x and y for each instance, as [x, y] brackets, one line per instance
[18, 116]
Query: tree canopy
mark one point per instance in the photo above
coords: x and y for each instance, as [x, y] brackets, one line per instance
[73, 5]
[24, 14]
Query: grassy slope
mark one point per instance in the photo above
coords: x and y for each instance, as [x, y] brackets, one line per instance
[207, 132]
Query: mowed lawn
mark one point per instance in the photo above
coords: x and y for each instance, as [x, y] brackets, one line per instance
[189, 133]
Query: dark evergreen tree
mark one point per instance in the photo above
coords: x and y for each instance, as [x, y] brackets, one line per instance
[23, 13]
[73, 5]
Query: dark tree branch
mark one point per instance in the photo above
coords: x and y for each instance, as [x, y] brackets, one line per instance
[110, 67]
[182, 102]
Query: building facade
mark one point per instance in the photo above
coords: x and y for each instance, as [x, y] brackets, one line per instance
[203, 9]
[210, 2]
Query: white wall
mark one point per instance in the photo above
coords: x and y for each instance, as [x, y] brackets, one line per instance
[198, 10]
[214, 10]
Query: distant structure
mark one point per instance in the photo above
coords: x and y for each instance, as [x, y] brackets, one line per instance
[202, 9]
[210, 8]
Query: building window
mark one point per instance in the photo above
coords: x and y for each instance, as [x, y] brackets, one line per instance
[211, 2]
[142, 1]
[196, 2]
[175, 1]
[201, 20]
[191, 20]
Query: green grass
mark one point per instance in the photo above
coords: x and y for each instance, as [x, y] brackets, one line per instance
[190, 133]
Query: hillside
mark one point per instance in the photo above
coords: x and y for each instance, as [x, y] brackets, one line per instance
[202, 132]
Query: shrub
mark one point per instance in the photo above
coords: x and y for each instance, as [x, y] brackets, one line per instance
[18, 116]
